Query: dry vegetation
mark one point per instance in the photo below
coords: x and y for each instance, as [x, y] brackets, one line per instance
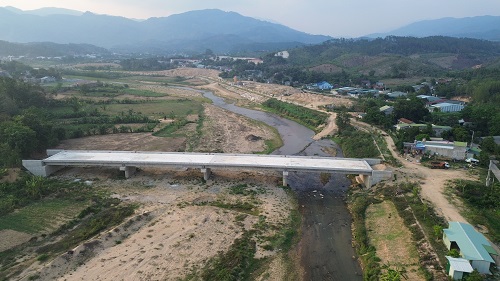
[392, 240]
[178, 227]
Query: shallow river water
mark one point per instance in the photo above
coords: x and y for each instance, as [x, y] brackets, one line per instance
[325, 248]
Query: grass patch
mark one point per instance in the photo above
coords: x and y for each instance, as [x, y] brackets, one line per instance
[238, 263]
[357, 144]
[239, 206]
[175, 108]
[107, 214]
[391, 239]
[170, 129]
[288, 235]
[143, 93]
[413, 210]
[41, 215]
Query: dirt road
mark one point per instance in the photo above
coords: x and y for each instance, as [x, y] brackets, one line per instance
[433, 182]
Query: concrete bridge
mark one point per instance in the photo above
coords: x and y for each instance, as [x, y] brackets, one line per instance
[129, 161]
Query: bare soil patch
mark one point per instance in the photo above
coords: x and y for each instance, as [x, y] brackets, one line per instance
[12, 238]
[182, 231]
[182, 72]
[11, 176]
[132, 142]
[330, 129]
[315, 101]
[228, 132]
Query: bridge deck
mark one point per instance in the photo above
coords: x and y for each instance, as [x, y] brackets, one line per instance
[205, 160]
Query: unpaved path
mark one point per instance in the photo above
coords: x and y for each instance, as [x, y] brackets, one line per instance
[432, 181]
[329, 129]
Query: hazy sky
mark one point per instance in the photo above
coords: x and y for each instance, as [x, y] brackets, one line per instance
[347, 18]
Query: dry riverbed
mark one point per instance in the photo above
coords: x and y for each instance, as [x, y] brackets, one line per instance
[180, 224]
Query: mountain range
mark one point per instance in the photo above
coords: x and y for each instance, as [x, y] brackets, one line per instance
[190, 32]
[196, 31]
[481, 27]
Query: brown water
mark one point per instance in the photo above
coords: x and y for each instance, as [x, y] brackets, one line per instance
[325, 247]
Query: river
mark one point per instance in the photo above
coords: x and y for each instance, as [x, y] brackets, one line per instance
[325, 249]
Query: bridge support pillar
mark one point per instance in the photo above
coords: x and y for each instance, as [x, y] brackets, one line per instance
[367, 180]
[206, 173]
[285, 178]
[129, 171]
[488, 178]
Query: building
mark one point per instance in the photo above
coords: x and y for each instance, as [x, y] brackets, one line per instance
[386, 109]
[395, 95]
[404, 126]
[428, 98]
[458, 268]
[283, 54]
[471, 245]
[323, 85]
[438, 130]
[446, 107]
[405, 121]
[48, 79]
[452, 150]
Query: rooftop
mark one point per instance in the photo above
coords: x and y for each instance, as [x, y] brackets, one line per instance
[473, 245]
[460, 264]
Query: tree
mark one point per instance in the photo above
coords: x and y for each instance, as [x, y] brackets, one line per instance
[474, 276]
[393, 274]
[413, 109]
[454, 253]
[438, 231]
[19, 137]
[343, 122]
[489, 145]
[460, 134]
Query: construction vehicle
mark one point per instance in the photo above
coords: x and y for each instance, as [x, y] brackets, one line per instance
[439, 165]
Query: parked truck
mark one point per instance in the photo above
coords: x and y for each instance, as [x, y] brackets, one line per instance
[440, 165]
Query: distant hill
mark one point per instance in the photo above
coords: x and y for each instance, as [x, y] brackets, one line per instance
[45, 11]
[193, 32]
[47, 49]
[396, 56]
[481, 27]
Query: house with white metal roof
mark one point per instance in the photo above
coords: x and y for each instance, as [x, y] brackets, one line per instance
[446, 107]
[472, 245]
[458, 268]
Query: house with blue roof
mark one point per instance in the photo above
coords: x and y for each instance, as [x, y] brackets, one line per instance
[472, 246]
[323, 85]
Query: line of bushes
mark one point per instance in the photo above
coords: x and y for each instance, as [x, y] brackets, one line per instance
[29, 189]
[303, 115]
[359, 202]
